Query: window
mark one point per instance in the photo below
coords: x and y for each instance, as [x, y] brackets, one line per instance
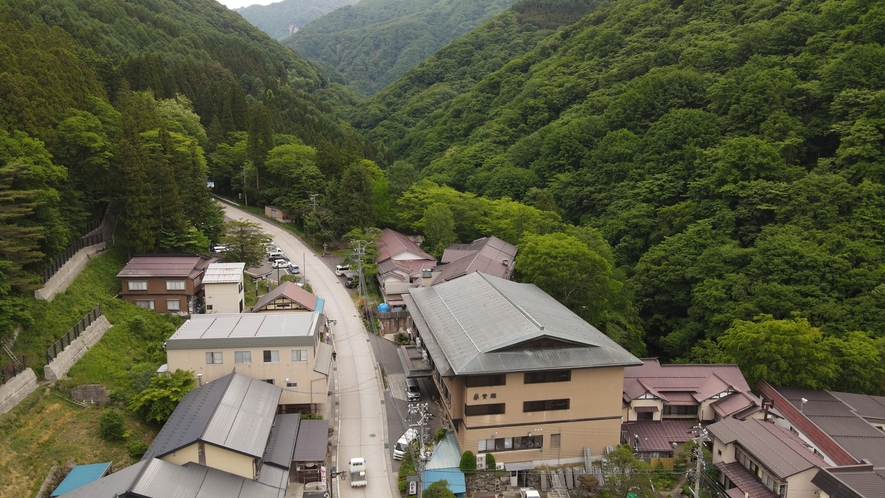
[493, 409]
[173, 305]
[545, 405]
[213, 358]
[271, 356]
[510, 443]
[299, 355]
[291, 384]
[269, 381]
[485, 380]
[551, 376]
[680, 410]
[137, 284]
[175, 285]
[242, 357]
[555, 440]
[145, 304]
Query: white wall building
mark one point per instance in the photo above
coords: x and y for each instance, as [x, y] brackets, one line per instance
[223, 287]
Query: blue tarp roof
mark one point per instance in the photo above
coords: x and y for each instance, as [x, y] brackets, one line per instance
[320, 303]
[82, 475]
[454, 477]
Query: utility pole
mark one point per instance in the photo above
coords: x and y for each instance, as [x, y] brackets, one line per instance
[421, 425]
[699, 454]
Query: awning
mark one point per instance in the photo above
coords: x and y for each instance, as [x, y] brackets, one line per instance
[514, 466]
[680, 399]
[645, 409]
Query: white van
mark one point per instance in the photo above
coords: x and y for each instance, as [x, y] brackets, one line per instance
[402, 444]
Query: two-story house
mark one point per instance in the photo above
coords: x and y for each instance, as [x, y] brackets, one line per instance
[758, 459]
[224, 288]
[663, 404]
[519, 374]
[283, 349]
[288, 296]
[165, 282]
[400, 264]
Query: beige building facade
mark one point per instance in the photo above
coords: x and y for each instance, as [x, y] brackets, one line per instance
[283, 349]
[224, 288]
[520, 376]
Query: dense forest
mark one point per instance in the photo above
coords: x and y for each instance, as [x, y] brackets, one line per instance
[281, 19]
[701, 180]
[373, 42]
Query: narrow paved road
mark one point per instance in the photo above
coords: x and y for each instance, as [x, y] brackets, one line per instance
[359, 391]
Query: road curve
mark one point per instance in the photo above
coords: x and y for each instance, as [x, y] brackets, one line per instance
[358, 390]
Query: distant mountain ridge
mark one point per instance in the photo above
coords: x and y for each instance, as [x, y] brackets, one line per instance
[374, 42]
[282, 19]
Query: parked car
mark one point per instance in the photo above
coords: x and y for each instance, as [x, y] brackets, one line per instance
[352, 282]
[218, 248]
[280, 263]
[276, 255]
[294, 269]
[340, 269]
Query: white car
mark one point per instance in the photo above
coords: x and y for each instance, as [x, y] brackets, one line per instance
[340, 269]
[280, 263]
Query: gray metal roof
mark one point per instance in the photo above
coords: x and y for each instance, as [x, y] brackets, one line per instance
[446, 455]
[224, 273]
[313, 435]
[155, 478]
[233, 412]
[840, 422]
[851, 481]
[281, 444]
[481, 324]
[323, 362]
[776, 448]
[226, 330]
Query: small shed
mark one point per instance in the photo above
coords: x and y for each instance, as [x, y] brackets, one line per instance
[310, 451]
[82, 475]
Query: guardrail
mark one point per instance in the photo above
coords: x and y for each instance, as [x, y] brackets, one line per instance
[10, 370]
[72, 334]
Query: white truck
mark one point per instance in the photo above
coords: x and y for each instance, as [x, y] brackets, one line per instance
[358, 472]
[402, 444]
[528, 493]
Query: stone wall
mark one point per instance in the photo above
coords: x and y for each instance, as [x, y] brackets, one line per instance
[67, 358]
[17, 389]
[68, 273]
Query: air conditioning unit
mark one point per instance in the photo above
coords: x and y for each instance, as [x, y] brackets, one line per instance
[481, 461]
[499, 465]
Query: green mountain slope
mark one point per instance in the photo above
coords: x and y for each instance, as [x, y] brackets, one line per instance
[374, 42]
[125, 103]
[731, 153]
[281, 19]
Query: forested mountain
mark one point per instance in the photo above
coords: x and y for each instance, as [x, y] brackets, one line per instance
[374, 42]
[732, 154]
[281, 19]
[135, 104]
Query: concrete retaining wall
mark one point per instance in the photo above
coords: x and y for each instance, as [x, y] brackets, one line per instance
[17, 389]
[68, 272]
[67, 358]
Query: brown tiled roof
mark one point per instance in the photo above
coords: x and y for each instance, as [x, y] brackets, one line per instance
[393, 243]
[290, 291]
[487, 255]
[678, 381]
[745, 481]
[732, 404]
[658, 435]
[853, 481]
[165, 265]
[776, 448]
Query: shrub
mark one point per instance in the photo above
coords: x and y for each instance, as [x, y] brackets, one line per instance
[490, 461]
[137, 449]
[468, 461]
[110, 425]
[439, 435]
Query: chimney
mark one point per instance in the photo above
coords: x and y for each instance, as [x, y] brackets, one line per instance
[426, 277]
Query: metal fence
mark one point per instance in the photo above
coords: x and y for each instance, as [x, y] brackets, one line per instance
[72, 334]
[10, 370]
[82, 242]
